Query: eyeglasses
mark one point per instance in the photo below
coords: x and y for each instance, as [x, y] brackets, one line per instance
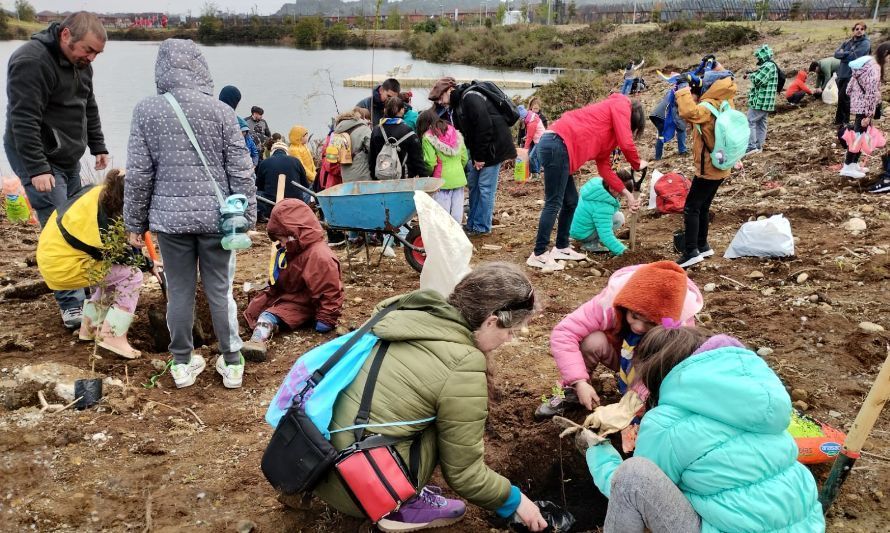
[858, 28]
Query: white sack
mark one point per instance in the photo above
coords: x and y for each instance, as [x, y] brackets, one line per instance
[448, 250]
[770, 237]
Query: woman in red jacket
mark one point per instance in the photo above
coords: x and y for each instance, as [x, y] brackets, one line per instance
[589, 133]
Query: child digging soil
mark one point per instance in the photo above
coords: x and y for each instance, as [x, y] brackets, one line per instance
[304, 280]
[713, 453]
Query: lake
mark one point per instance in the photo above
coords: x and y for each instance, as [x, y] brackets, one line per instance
[291, 85]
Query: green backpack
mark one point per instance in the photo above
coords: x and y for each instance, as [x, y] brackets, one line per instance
[731, 133]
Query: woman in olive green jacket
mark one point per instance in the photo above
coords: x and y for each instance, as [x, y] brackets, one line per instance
[436, 367]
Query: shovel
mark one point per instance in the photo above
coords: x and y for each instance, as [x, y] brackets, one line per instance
[636, 185]
[159, 269]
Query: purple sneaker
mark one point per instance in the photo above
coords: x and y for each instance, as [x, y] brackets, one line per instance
[426, 511]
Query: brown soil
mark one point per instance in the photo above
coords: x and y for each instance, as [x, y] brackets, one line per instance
[140, 454]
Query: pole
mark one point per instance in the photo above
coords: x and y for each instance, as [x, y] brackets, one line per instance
[549, 8]
[875, 17]
[865, 420]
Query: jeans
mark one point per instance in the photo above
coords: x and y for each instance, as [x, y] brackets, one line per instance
[842, 114]
[757, 123]
[483, 185]
[851, 157]
[627, 86]
[533, 161]
[183, 256]
[560, 194]
[659, 140]
[695, 213]
[44, 203]
[642, 496]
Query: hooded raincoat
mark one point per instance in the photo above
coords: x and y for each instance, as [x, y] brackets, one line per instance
[301, 151]
[864, 88]
[719, 433]
[799, 84]
[167, 188]
[445, 157]
[309, 287]
[596, 207]
[432, 369]
[764, 80]
[697, 114]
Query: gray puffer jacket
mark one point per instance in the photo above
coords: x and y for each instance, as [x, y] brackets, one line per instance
[360, 139]
[167, 189]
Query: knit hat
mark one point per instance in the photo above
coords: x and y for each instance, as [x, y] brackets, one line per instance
[523, 112]
[257, 109]
[655, 291]
[230, 95]
[278, 146]
[440, 87]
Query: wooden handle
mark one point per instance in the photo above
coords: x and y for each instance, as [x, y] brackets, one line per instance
[870, 410]
[633, 225]
[279, 195]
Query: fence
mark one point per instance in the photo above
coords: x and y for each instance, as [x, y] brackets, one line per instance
[670, 10]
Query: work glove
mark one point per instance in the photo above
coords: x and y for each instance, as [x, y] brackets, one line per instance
[322, 327]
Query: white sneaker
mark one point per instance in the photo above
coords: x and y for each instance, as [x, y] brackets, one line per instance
[231, 374]
[850, 171]
[861, 168]
[185, 375]
[544, 262]
[566, 254]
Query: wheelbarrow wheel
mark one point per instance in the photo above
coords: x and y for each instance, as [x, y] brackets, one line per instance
[414, 258]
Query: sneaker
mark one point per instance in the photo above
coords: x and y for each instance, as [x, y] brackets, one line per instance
[850, 171]
[861, 168]
[336, 244]
[595, 247]
[557, 405]
[231, 374]
[688, 259]
[705, 251]
[429, 509]
[473, 233]
[752, 151]
[72, 317]
[185, 375]
[566, 254]
[544, 262]
[881, 186]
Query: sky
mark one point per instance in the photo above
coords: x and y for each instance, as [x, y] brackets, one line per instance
[264, 7]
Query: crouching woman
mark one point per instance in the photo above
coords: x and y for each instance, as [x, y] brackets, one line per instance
[78, 249]
[437, 367]
[713, 452]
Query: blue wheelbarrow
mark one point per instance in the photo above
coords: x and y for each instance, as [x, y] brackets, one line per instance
[377, 206]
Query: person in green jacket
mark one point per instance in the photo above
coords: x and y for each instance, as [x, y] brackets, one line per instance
[713, 453]
[445, 155]
[824, 68]
[437, 367]
[597, 217]
[761, 97]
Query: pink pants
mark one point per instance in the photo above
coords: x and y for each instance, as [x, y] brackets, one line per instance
[120, 288]
[596, 350]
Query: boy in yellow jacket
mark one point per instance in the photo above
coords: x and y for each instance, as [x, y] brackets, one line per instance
[299, 138]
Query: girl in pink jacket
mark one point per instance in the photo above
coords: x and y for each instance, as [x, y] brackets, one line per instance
[606, 329]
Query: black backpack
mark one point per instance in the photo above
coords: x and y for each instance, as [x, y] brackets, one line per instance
[501, 102]
[780, 83]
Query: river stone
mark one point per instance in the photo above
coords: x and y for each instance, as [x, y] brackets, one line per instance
[871, 327]
[755, 274]
[799, 395]
[800, 405]
[855, 224]
[764, 351]
[802, 277]
[709, 287]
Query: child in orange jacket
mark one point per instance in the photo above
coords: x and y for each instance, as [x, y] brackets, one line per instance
[798, 88]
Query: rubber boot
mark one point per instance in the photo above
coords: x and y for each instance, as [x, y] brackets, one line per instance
[113, 334]
[93, 316]
[255, 349]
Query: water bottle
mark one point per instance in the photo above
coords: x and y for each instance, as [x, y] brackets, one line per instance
[233, 225]
[14, 200]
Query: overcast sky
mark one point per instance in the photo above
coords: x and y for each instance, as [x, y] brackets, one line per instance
[264, 7]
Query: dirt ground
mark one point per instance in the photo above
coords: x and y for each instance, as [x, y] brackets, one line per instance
[162, 459]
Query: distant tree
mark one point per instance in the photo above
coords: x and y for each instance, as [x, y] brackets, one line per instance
[25, 11]
[308, 31]
[502, 10]
[761, 8]
[209, 28]
[393, 19]
[541, 13]
[209, 9]
[4, 24]
[573, 11]
[336, 36]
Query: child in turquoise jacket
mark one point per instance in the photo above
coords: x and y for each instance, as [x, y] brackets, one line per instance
[445, 155]
[597, 217]
[713, 453]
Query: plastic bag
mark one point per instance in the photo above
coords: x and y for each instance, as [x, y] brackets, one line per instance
[557, 519]
[829, 93]
[763, 238]
[448, 250]
[653, 179]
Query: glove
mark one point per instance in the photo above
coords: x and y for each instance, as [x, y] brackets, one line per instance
[321, 327]
[693, 80]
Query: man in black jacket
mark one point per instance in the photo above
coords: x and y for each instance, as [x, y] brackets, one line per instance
[487, 135]
[383, 92]
[279, 162]
[52, 117]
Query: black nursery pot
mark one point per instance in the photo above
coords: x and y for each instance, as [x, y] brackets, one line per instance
[89, 392]
[557, 519]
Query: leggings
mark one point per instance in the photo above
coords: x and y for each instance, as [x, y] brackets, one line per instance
[858, 128]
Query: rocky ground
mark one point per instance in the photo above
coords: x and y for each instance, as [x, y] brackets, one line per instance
[161, 459]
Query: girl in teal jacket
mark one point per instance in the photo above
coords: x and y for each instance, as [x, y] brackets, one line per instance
[596, 218]
[445, 155]
[713, 453]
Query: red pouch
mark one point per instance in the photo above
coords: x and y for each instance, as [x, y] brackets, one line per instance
[375, 477]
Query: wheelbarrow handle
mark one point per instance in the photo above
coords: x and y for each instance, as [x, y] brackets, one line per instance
[310, 192]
